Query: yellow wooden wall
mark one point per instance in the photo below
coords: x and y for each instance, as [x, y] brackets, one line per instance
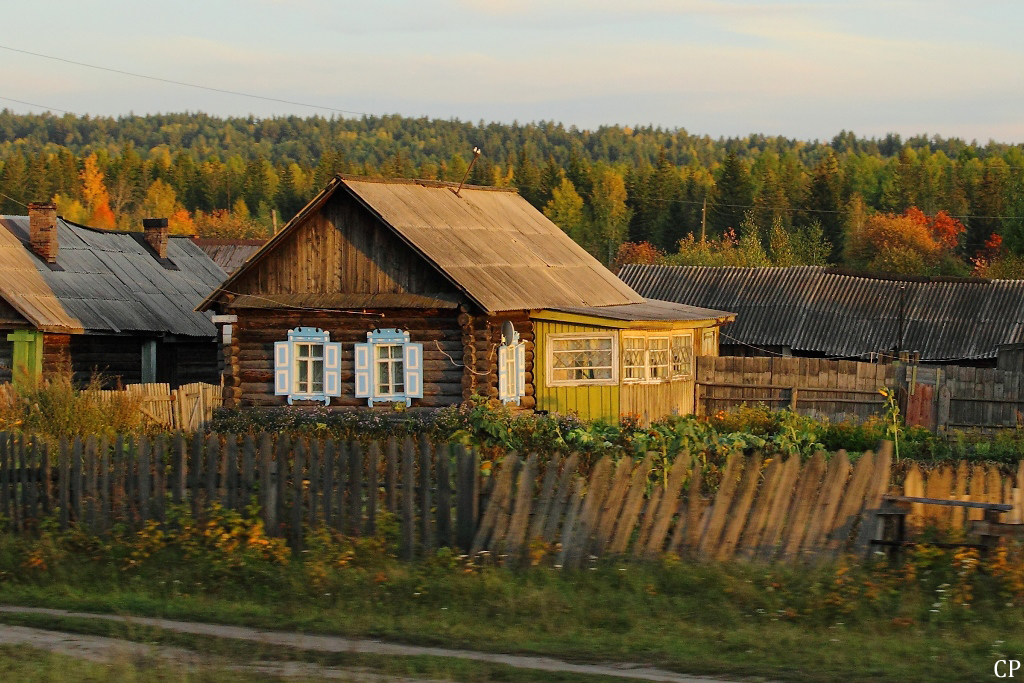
[589, 402]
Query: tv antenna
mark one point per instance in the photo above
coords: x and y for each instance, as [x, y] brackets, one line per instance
[476, 155]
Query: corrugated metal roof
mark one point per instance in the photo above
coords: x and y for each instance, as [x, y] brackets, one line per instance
[816, 310]
[651, 310]
[497, 248]
[229, 254]
[107, 281]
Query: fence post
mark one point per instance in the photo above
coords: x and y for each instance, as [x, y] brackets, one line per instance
[408, 462]
[267, 505]
[65, 480]
[444, 496]
[426, 455]
[372, 489]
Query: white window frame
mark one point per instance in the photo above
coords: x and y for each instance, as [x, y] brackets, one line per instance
[549, 359]
[687, 338]
[394, 364]
[646, 374]
[640, 372]
[286, 365]
[512, 370]
[366, 363]
[309, 360]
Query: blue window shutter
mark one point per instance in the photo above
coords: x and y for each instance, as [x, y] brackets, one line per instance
[282, 368]
[413, 362]
[503, 351]
[332, 369]
[363, 370]
[520, 370]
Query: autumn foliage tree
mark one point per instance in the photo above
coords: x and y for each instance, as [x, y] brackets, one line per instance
[910, 243]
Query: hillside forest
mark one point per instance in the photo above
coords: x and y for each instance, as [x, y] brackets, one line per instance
[920, 206]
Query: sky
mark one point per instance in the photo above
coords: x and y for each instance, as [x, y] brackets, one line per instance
[724, 68]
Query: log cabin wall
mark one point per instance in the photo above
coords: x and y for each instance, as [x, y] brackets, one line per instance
[6, 357]
[342, 248]
[486, 339]
[250, 359]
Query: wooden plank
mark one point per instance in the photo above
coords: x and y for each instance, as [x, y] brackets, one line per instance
[800, 511]
[356, 472]
[913, 486]
[283, 452]
[775, 523]
[574, 504]
[179, 468]
[391, 475]
[465, 497]
[495, 506]
[627, 520]
[958, 516]
[720, 508]
[105, 492]
[562, 502]
[76, 476]
[298, 486]
[545, 500]
[64, 485]
[144, 473]
[341, 501]
[248, 471]
[579, 542]
[268, 506]
[426, 460]
[824, 510]
[878, 486]
[195, 472]
[668, 506]
[977, 489]
[738, 517]
[5, 485]
[212, 468]
[758, 518]
[514, 542]
[327, 485]
[229, 470]
[444, 496]
[939, 485]
[91, 482]
[407, 550]
[315, 469]
[120, 494]
[650, 512]
[372, 487]
[852, 503]
[610, 509]
[504, 517]
[695, 505]
[160, 477]
[1019, 500]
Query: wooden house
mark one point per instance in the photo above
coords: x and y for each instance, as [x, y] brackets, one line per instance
[399, 291]
[113, 302]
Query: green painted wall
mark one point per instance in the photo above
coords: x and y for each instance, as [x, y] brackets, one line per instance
[590, 402]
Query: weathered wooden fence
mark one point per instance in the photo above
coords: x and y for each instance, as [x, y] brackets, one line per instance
[187, 408]
[433, 489]
[834, 389]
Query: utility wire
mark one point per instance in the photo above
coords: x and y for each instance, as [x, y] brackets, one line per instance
[33, 104]
[181, 83]
[7, 196]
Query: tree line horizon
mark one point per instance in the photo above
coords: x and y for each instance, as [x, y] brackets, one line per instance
[917, 206]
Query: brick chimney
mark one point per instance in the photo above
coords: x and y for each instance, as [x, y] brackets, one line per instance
[42, 230]
[156, 234]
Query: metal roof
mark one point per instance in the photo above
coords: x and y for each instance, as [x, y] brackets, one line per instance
[492, 244]
[818, 310]
[229, 254]
[106, 281]
[651, 310]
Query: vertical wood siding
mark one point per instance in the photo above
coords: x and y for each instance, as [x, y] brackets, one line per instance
[590, 402]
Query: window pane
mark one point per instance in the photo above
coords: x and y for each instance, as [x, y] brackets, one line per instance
[316, 350]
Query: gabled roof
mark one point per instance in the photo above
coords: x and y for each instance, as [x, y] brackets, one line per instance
[823, 311]
[491, 244]
[105, 281]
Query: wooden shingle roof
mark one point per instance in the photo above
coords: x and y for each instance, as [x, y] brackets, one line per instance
[105, 281]
[492, 244]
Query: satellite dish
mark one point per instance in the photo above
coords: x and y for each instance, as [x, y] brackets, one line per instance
[507, 332]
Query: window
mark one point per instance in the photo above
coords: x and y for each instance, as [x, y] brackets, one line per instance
[682, 355]
[657, 357]
[511, 366]
[307, 367]
[582, 359]
[389, 368]
[709, 343]
[634, 359]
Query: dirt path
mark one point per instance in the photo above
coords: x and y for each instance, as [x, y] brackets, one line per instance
[356, 645]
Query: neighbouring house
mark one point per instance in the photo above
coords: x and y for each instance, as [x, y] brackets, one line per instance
[821, 312]
[103, 301]
[385, 292]
[229, 253]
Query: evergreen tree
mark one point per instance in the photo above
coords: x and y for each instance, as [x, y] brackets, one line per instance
[825, 202]
[526, 177]
[733, 195]
[565, 209]
[13, 185]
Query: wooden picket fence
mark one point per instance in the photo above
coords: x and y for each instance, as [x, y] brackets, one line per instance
[755, 509]
[433, 489]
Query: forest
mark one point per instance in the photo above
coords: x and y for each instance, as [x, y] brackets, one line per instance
[925, 205]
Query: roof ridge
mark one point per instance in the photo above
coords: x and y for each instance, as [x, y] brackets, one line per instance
[424, 182]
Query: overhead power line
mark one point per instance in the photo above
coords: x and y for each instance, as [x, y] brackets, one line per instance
[33, 104]
[181, 83]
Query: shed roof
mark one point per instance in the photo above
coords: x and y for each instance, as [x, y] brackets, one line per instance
[820, 310]
[490, 243]
[651, 310]
[229, 254]
[105, 281]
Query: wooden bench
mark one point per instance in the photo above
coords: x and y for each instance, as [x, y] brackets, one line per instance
[891, 526]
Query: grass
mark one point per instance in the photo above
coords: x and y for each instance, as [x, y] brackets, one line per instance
[822, 624]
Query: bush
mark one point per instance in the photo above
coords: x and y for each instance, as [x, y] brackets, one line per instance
[56, 408]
